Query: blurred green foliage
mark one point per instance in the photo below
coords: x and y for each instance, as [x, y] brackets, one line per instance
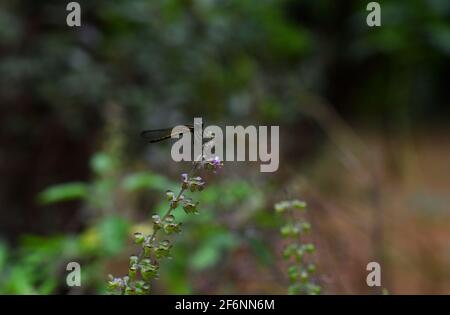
[63, 192]
[204, 243]
[160, 63]
[234, 59]
[302, 272]
[39, 266]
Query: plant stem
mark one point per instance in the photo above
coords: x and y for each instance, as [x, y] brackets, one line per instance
[168, 212]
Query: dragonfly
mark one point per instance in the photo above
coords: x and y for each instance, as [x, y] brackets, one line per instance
[159, 135]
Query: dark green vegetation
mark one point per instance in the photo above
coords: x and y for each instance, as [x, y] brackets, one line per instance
[363, 116]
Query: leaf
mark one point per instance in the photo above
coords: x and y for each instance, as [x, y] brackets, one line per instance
[63, 192]
[48, 286]
[20, 281]
[210, 251]
[102, 163]
[146, 180]
[205, 257]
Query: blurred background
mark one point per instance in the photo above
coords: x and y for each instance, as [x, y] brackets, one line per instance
[364, 123]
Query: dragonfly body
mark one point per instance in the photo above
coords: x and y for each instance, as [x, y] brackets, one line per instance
[158, 135]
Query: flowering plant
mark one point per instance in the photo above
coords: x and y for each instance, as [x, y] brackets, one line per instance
[143, 268]
[300, 273]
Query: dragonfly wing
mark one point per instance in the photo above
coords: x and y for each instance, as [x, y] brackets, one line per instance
[157, 135]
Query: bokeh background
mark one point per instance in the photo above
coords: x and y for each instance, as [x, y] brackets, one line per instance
[364, 122]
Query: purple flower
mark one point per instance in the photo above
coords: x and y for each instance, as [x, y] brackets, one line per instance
[216, 162]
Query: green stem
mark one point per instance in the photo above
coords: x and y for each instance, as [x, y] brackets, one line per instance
[152, 237]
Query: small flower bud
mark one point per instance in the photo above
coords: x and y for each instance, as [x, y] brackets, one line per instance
[170, 195]
[310, 248]
[133, 260]
[139, 238]
[147, 250]
[132, 272]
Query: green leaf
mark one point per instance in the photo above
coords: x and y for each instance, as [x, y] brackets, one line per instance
[205, 257]
[48, 286]
[146, 180]
[102, 163]
[63, 192]
[20, 281]
[210, 251]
